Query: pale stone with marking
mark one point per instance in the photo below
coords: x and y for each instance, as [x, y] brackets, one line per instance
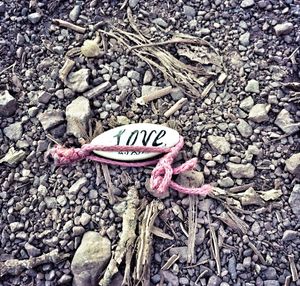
[139, 134]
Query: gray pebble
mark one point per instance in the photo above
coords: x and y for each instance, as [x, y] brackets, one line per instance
[247, 3]
[85, 219]
[32, 250]
[160, 22]
[252, 86]
[283, 29]
[133, 3]
[14, 131]
[245, 39]
[74, 13]
[35, 17]
[189, 11]
[8, 104]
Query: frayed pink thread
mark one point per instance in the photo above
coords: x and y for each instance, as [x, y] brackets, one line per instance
[161, 177]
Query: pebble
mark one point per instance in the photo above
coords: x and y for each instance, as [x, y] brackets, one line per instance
[191, 179]
[85, 219]
[294, 200]
[78, 112]
[184, 281]
[177, 94]
[289, 235]
[74, 13]
[214, 281]
[14, 131]
[160, 22]
[64, 279]
[2, 7]
[226, 182]
[196, 148]
[8, 104]
[219, 144]
[90, 259]
[133, 3]
[51, 118]
[16, 226]
[148, 76]
[247, 103]
[245, 39]
[283, 29]
[286, 123]
[259, 112]
[244, 128]
[32, 250]
[124, 83]
[75, 188]
[189, 11]
[270, 273]
[51, 202]
[252, 86]
[123, 120]
[170, 277]
[247, 3]
[35, 17]
[271, 283]
[134, 75]
[293, 165]
[240, 171]
[78, 81]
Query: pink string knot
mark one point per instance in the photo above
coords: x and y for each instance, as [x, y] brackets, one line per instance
[161, 176]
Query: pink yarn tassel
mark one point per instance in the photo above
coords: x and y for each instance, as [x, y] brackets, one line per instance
[161, 177]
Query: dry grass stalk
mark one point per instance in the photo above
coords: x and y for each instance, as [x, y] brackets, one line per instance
[224, 217]
[178, 105]
[215, 247]
[127, 237]
[293, 268]
[109, 184]
[257, 252]
[160, 233]
[288, 281]
[68, 25]
[144, 244]
[170, 261]
[192, 219]
[66, 68]
[154, 95]
[156, 56]
[15, 266]
[207, 89]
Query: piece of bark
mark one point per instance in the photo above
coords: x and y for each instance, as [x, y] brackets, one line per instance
[127, 237]
[154, 95]
[66, 68]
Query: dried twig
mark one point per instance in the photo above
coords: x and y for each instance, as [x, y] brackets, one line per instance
[293, 268]
[68, 25]
[127, 237]
[154, 95]
[178, 105]
[215, 247]
[97, 90]
[160, 233]
[109, 184]
[15, 266]
[257, 252]
[207, 89]
[7, 68]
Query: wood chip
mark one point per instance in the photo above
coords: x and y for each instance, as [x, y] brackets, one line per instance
[66, 68]
[257, 252]
[68, 25]
[215, 247]
[178, 105]
[207, 89]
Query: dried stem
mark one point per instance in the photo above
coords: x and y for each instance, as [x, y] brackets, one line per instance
[178, 105]
[68, 25]
[66, 68]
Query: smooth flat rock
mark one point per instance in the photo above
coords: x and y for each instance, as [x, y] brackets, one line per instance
[140, 134]
[90, 259]
[286, 123]
[259, 112]
[293, 165]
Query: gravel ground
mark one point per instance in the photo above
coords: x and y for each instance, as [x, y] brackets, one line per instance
[245, 133]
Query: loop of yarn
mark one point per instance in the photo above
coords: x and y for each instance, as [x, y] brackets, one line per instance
[161, 177]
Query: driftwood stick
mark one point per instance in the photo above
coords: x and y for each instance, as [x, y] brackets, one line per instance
[68, 25]
[293, 267]
[154, 95]
[181, 102]
[15, 266]
[127, 237]
[66, 68]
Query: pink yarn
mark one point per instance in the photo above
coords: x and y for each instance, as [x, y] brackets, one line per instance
[161, 177]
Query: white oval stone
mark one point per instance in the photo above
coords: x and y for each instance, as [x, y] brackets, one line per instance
[139, 134]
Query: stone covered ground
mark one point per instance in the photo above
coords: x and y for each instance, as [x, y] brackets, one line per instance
[244, 130]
